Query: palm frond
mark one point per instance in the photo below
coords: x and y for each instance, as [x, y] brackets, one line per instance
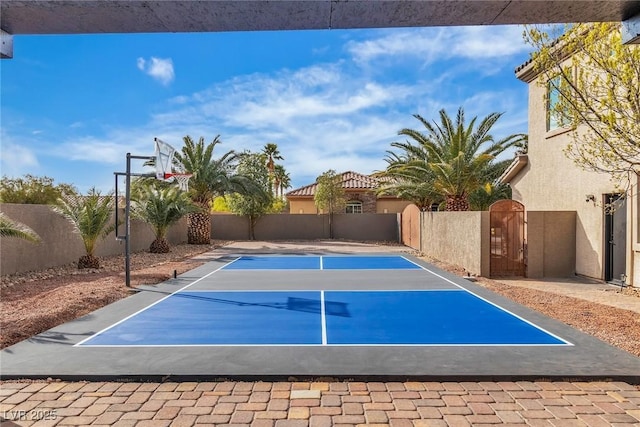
[15, 229]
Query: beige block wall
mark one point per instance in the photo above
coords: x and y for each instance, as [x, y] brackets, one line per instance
[459, 238]
[391, 205]
[552, 182]
[302, 207]
[60, 245]
[297, 206]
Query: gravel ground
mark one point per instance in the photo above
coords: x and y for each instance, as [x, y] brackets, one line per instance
[618, 327]
[35, 302]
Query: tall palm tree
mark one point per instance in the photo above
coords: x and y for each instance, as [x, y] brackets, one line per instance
[160, 206]
[281, 180]
[211, 177]
[272, 154]
[409, 177]
[271, 151]
[459, 154]
[11, 228]
[90, 216]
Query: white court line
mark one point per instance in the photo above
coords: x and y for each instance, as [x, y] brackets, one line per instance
[316, 345]
[151, 305]
[195, 291]
[321, 263]
[492, 303]
[324, 326]
[323, 319]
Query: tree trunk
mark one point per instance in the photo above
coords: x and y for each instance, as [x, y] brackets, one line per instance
[331, 225]
[199, 228]
[160, 246]
[457, 203]
[88, 261]
[252, 224]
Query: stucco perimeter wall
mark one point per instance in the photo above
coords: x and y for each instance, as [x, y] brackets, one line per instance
[459, 238]
[362, 227]
[367, 227]
[551, 244]
[60, 245]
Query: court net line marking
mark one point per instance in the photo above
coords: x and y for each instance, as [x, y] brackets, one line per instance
[151, 305]
[490, 302]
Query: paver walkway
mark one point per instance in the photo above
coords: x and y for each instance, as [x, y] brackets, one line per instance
[316, 404]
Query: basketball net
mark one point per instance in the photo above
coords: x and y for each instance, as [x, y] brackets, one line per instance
[181, 178]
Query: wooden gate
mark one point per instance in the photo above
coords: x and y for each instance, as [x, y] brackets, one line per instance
[507, 239]
[410, 227]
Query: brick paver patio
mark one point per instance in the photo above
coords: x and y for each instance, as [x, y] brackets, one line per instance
[317, 404]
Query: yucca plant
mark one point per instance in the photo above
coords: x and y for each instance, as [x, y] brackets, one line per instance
[18, 230]
[90, 216]
[160, 205]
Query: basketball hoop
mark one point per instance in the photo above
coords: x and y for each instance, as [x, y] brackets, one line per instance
[164, 159]
[164, 163]
[181, 178]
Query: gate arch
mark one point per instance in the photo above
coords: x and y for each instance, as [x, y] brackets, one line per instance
[507, 241]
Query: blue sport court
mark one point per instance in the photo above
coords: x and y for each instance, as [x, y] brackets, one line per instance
[442, 314]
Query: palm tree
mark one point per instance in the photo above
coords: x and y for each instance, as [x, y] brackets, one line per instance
[459, 154]
[11, 228]
[211, 178]
[272, 154]
[409, 177]
[281, 180]
[160, 206]
[90, 216]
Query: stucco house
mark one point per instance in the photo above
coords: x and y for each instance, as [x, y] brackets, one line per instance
[607, 244]
[360, 192]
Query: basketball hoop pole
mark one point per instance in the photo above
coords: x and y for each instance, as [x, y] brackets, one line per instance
[163, 158]
[127, 212]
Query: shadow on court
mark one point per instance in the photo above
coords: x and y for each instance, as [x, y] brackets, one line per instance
[305, 305]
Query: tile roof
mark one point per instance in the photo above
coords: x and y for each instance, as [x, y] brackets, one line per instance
[350, 180]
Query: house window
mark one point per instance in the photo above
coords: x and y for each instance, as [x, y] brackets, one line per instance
[556, 112]
[354, 207]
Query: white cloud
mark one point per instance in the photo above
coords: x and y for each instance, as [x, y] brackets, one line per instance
[433, 44]
[161, 69]
[323, 116]
[17, 159]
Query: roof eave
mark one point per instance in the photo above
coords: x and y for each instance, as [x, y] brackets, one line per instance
[527, 72]
[514, 168]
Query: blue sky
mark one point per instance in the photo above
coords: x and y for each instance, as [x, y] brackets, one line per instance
[72, 106]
